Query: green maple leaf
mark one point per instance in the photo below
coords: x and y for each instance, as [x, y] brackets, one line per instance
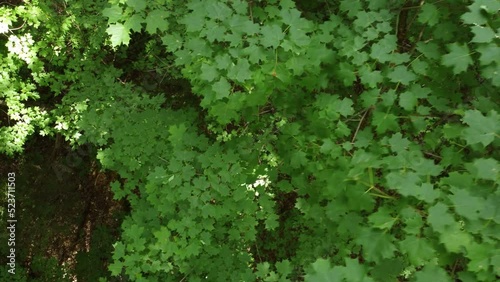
[119, 251]
[425, 167]
[172, 41]
[420, 66]
[208, 72]
[418, 250]
[355, 272]
[385, 122]
[491, 73]
[455, 240]
[465, 204]
[429, 49]
[241, 71]
[381, 52]
[255, 53]
[407, 100]
[133, 232]
[480, 256]
[344, 107]
[429, 14]
[223, 61]
[284, 267]
[271, 221]
[138, 5]
[217, 10]
[401, 74]
[222, 88]
[388, 270]
[287, 4]
[432, 273]
[370, 97]
[398, 143]
[134, 23]
[346, 73]
[214, 31]
[159, 173]
[193, 21]
[296, 64]
[376, 245]
[479, 11]
[482, 129]
[291, 17]
[458, 58]
[263, 269]
[412, 220]
[298, 37]
[198, 46]
[489, 53]
[323, 272]
[249, 27]
[116, 267]
[271, 36]
[370, 77]
[352, 7]
[113, 13]
[298, 159]
[156, 19]
[119, 34]
[176, 134]
[405, 182]
[439, 218]
[364, 19]
[483, 34]
[487, 169]
[382, 219]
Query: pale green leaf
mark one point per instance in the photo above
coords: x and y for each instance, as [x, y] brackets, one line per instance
[119, 34]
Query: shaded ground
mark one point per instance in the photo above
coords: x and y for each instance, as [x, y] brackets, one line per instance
[65, 211]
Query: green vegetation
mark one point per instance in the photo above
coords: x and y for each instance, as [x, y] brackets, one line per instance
[336, 140]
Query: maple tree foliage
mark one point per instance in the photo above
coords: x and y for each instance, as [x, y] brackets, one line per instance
[345, 140]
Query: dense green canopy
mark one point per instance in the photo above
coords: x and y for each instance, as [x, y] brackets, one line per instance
[336, 140]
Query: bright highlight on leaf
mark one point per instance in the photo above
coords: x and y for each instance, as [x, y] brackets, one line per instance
[119, 34]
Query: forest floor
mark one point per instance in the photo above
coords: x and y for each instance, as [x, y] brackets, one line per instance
[64, 207]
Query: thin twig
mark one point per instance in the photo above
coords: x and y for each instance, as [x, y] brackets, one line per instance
[359, 124]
